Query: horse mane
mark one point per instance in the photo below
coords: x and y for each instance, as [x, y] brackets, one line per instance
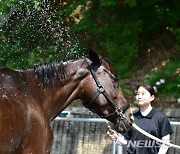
[50, 73]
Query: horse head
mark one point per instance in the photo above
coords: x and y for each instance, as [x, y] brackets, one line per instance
[90, 79]
[100, 93]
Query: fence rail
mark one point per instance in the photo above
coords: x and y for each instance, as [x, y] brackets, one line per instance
[78, 131]
[174, 123]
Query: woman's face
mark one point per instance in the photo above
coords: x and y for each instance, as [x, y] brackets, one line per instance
[143, 97]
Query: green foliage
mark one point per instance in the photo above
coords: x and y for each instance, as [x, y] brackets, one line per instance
[131, 3]
[121, 45]
[176, 32]
[166, 80]
[34, 31]
[109, 31]
[108, 3]
[115, 27]
[33, 34]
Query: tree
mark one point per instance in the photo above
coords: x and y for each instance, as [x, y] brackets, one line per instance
[36, 31]
[32, 33]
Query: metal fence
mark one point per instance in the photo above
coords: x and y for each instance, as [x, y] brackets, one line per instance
[84, 134]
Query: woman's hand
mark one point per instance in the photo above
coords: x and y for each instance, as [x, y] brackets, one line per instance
[112, 135]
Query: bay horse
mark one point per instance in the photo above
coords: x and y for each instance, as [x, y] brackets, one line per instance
[31, 98]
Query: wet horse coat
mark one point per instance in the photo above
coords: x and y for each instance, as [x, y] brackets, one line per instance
[31, 98]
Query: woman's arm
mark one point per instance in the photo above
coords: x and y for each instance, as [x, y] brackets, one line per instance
[163, 148]
[121, 140]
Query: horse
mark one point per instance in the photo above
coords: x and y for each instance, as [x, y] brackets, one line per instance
[31, 98]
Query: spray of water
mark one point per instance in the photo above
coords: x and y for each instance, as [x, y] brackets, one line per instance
[34, 30]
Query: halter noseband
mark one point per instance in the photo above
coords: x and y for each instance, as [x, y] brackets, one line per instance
[101, 90]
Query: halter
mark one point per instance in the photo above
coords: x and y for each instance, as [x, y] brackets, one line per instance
[118, 111]
[101, 90]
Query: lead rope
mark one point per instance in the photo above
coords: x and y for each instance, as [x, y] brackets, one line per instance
[144, 133]
[110, 130]
[154, 138]
[151, 136]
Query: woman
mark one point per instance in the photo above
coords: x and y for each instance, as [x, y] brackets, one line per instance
[150, 120]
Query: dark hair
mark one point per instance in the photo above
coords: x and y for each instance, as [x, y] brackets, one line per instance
[148, 88]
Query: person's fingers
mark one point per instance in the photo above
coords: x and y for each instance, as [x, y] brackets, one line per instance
[108, 133]
[111, 131]
[112, 137]
[111, 134]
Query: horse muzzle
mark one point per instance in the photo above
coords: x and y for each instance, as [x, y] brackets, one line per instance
[123, 126]
[123, 123]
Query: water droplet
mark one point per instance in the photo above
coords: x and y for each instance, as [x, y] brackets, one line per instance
[11, 140]
[4, 96]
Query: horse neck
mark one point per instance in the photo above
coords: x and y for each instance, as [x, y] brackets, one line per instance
[55, 99]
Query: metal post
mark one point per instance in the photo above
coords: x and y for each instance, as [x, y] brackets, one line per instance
[113, 147]
[119, 148]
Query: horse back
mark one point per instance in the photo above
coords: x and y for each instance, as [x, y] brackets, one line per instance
[12, 116]
[21, 118]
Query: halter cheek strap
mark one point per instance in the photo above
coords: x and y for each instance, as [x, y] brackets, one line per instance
[101, 90]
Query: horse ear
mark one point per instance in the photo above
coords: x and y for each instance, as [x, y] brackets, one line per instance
[94, 58]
